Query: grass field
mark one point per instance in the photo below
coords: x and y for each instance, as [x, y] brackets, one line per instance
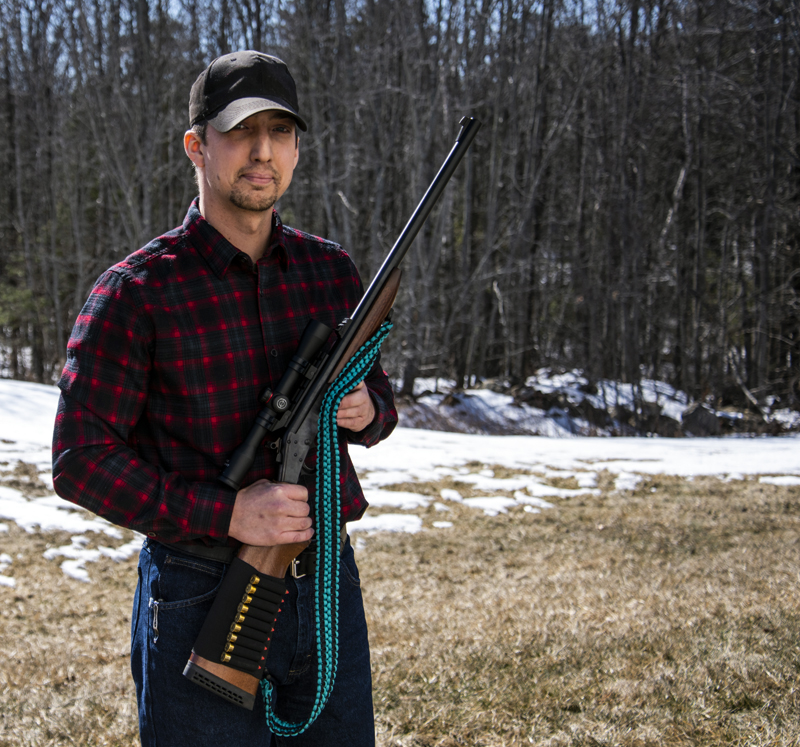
[669, 615]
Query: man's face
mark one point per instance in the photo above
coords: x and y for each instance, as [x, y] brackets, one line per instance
[250, 166]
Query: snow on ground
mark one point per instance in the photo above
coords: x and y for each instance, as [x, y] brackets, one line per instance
[78, 555]
[781, 480]
[410, 456]
[439, 404]
[418, 452]
[5, 561]
[573, 384]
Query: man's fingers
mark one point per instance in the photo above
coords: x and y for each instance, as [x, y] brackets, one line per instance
[298, 509]
[290, 529]
[290, 500]
[270, 513]
[293, 523]
[294, 492]
[346, 421]
[352, 412]
[292, 537]
[349, 402]
[355, 396]
[286, 489]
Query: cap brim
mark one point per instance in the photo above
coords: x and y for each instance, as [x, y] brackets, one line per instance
[239, 110]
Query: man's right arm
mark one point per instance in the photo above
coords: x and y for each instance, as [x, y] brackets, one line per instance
[104, 392]
[95, 468]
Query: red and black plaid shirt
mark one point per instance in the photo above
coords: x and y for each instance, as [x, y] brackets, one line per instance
[165, 365]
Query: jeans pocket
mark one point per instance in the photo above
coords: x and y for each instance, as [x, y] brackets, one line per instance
[184, 582]
[136, 601]
[349, 567]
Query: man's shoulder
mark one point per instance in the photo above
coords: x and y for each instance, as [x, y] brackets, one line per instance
[157, 264]
[160, 253]
[313, 243]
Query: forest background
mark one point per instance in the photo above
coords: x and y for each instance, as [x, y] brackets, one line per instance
[631, 206]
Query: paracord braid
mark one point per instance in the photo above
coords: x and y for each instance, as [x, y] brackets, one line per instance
[326, 581]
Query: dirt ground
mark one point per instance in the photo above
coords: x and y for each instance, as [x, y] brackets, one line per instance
[669, 615]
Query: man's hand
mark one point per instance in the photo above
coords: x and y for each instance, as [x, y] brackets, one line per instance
[356, 410]
[271, 513]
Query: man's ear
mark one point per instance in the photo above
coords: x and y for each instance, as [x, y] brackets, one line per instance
[194, 148]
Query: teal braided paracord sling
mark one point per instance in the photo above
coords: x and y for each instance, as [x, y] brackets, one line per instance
[326, 580]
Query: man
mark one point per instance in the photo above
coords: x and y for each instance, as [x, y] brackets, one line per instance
[164, 368]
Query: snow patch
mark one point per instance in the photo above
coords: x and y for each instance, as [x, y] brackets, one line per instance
[78, 555]
[387, 523]
[29, 411]
[491, 505]
[49, 514]
[627, 481]
[483, 481]
[396, 499]
[530, 500]
[788, 480]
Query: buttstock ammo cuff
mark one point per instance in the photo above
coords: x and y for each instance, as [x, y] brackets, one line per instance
[238, 628]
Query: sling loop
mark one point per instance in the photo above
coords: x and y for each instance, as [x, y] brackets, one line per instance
[326, 579]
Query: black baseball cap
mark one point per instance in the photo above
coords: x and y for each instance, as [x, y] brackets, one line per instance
[239, 84]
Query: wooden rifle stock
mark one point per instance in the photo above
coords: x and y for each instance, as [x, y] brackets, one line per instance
[375, 317]
[233, 684]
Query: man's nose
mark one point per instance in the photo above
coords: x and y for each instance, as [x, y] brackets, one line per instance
[262, 147]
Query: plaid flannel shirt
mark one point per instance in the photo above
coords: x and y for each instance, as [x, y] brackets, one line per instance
[165, 365]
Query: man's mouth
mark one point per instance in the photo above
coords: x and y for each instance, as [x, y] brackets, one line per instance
[259, 178]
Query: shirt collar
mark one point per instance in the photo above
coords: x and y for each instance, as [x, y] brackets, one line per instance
[219, 253]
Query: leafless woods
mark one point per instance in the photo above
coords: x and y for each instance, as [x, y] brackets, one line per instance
[630, 208]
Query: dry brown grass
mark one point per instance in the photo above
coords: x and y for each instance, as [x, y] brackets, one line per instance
[667, 616]
[64, 647]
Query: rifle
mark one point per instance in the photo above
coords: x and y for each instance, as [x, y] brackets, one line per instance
[229, 654]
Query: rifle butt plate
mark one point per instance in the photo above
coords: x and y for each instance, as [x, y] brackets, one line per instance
[235, 686]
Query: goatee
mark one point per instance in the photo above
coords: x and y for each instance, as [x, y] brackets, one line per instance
[255, 200]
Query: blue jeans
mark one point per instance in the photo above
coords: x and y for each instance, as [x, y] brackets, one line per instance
[173, 597]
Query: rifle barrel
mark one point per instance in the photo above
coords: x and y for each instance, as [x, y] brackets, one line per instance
[469, 128]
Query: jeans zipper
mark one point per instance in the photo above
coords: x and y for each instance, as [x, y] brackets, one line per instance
[153, 605]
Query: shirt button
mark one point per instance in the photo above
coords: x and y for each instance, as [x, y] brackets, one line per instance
[273, 353]
[151, 534]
